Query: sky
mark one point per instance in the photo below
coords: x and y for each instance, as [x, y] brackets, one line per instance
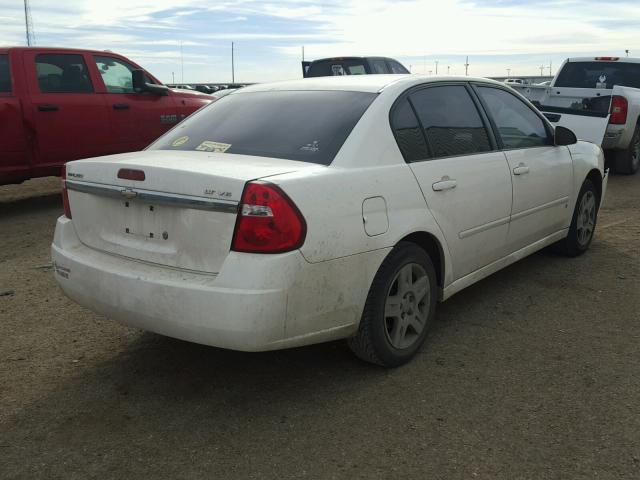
[190, 40]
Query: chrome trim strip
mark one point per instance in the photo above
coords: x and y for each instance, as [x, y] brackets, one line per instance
[533, 210]
[173, 199]
[482, 228]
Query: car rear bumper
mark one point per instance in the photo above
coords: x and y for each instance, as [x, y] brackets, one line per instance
[255, 303]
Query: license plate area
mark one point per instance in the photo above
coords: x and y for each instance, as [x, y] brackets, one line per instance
[144, 220]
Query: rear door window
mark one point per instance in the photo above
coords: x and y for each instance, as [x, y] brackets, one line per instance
[62, 73]
[406, 129]
[517, 124]
[379, 66]
[309, 126]
[337, 67]
[450, 121]
[5, 74]
[397, 67]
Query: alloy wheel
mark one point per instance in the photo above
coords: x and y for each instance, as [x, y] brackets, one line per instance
[586, 220]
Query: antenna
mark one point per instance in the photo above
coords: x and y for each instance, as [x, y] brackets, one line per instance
[28, 22]
[466, 67]
[181, 64]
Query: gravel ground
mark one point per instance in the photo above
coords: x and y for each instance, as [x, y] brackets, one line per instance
[534, 373]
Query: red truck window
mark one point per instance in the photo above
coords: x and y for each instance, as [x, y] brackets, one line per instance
[116, 74]
[5, 76]
[62, 73]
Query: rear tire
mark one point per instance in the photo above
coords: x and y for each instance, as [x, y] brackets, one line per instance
[627, 161]
[399, 309]
[583, 223]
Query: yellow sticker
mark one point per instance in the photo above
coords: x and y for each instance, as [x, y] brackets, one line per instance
[180, 141]
[208, 146]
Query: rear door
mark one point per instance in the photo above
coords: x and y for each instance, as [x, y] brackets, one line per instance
[542, 173]
[465, 181]
[14, 159]
[137, 118]
[69, 119]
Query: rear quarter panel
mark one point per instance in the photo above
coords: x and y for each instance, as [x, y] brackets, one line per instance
[585, 157]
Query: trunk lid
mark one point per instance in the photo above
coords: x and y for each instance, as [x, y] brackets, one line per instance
[181, 215]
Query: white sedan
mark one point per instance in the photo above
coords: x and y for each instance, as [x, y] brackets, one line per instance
[300, 212]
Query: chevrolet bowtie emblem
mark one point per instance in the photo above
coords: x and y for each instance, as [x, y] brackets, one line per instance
[128, 193]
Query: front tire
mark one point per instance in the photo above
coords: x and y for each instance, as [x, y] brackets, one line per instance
[399, 309]
[627, 161]
[583, 223]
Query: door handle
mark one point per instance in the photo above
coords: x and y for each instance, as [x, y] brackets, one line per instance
[47, 108]
[445, 184]
[121, 106]
[521, 169]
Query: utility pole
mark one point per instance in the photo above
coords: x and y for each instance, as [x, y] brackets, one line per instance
[508, 73]
[173, 77]
[627, 52]
[28, 23]
[466, 67]
[233, 67]
[448, 67]
[303, 53]
[436, 67]
[541, 70]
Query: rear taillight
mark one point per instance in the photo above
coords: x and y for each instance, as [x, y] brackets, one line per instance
[65, 193]
[619, 108]
[268, 221]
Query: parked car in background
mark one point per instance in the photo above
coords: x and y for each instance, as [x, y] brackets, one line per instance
[337, 66]
[61, 104]
[599, 99]
[224, 92]
[514, 81]
[302, 212]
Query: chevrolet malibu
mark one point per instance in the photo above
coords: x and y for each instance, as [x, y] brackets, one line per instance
[332, 208]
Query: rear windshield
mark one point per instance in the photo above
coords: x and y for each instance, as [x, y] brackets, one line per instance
[308, 126]
[5, 77]
[599, 75]
[328, 68]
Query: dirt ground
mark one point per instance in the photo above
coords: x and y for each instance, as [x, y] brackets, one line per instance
[534, 373]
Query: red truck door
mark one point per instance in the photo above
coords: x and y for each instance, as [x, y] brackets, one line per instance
[14, 155]
[137, 119]
[69, 119]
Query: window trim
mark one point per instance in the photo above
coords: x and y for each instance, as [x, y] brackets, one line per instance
[87, 70]
[545, 122]
[125, 62]
[416, 88]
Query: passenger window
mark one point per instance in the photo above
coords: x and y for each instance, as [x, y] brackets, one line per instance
[356, 70]
[407, 131]
[395, 67]
[379, 67]
[62, 73]
[518, 125]
[116, 74]
[451, 122]
[5, 75]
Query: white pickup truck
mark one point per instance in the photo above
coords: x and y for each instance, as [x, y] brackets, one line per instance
[599, 99]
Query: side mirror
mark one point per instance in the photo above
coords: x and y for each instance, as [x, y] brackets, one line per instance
[140, 84]
[564, 136]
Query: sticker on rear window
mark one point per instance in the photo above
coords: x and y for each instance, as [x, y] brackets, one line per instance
[311, 147]
[180, 141]
[602, 81]
[208, 146]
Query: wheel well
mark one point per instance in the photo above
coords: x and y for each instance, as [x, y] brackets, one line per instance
[596, 179]
[431, 245]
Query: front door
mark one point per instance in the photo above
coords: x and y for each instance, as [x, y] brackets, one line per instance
[542, 173]
[70, 120]
[465, 181]
[137, 118]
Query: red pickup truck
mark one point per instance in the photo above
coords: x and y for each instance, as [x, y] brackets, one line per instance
[58, 105]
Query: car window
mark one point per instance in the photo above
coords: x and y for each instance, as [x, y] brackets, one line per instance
[308, 126]
[450, 120]
[379, 67]
[518, 126]
[407, 132]
[62, 73]
[116, 74]
[396, 67]
[337, 66]
[5, 74]
[599, 75]
[356, 70]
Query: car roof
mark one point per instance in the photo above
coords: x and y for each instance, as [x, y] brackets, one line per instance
[359, 83]
[593, 59]
[59, 49]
